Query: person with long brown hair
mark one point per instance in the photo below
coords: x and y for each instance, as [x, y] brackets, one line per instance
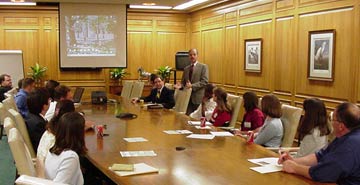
[253, 118]
[222, 114]
[314, 127]
[62, 162]
[271, 133]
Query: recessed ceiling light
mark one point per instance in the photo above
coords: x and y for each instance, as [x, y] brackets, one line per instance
[149, 4]
[18, 3]
[188, 4]
[150, 7]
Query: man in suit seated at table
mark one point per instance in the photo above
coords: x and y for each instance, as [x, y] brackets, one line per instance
[338, 162]
[5, 85]
[160, 94]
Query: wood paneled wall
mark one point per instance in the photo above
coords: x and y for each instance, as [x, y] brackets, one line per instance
[153, 40]
[218, 33]
[283, 25]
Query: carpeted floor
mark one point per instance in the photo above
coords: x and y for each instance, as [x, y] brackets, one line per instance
[7, 166]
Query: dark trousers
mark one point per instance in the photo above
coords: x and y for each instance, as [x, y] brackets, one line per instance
[191, 107]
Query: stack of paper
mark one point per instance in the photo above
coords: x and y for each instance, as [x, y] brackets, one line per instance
[267, 165]
[135, 139]
[177, 131]
[221, 134]
[139, 168]
[194, 123]
[206, 127]
[201, 136]
[150, 153]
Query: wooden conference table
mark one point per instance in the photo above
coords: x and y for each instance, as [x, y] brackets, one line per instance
[222, 160]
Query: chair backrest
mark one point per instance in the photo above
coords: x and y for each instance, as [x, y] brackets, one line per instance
[290, 119]
[3, 113]
[235, 104]
[182, 98]
[8, 124]
[9, 103]
[20, 152]
[21, 126]
[137, 89]
[127, 88]
[13, 91]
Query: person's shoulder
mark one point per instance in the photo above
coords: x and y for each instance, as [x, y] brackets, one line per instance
[69, 154]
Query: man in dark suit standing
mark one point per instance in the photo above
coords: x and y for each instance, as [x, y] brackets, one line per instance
[160, 94]
[195, 76]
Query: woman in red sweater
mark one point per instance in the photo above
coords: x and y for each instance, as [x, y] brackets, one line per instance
[222, 114]
[253, 118]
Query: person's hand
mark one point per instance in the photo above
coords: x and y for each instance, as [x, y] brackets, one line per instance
[134, 100]
[284, 156]
[289, 166]
[177, 85]
[188, 84]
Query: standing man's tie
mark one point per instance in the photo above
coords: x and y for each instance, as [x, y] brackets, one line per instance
[191, 71]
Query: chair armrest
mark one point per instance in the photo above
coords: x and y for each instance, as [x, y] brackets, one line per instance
[28, 180]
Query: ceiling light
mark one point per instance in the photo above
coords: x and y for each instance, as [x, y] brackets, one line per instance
[150, 7]
[149, 4]
[189, 4]
[18, 4]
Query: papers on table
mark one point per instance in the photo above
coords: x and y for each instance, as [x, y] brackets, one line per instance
[201, 136]
[265, 161]
[206, 127]
[139, 168]
[267, 165]
[267, 169]
[150, 153]
[135, 139]
[177, 131]
[221, 134]
[194, 123]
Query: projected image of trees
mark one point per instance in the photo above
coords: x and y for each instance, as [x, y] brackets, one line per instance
[90, 35]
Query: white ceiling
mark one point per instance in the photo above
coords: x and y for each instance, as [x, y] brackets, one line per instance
[134, 2]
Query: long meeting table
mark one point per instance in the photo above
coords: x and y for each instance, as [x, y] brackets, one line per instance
[222, 160]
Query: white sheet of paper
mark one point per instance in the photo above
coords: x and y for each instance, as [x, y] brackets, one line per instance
[139, 168]
[135, 139]
[177, 131]
[267, 169]
[221, 134]
[147, 153]
[201, 136]
[194, 123]
[206, 127]
[265, 161]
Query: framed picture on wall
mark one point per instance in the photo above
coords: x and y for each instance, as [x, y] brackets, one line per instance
[253, 50]
[321, 55]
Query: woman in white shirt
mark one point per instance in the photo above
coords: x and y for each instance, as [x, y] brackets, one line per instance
[62, 161]
[207, 106]
[314, 127]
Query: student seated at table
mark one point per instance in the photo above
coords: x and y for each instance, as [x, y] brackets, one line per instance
[160, 94]
[221, 116]
[207, 106]
[339, 162]
[61, 92]
[253, 118]
[38, 102]
[48, 138]
[271, 133]
[314, 127]
[27, 86]
[62, 161]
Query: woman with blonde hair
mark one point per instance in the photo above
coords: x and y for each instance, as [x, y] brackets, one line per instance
[222, 114]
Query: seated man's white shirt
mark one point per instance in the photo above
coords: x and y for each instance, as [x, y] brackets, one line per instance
[210, 106]
[51, 111]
